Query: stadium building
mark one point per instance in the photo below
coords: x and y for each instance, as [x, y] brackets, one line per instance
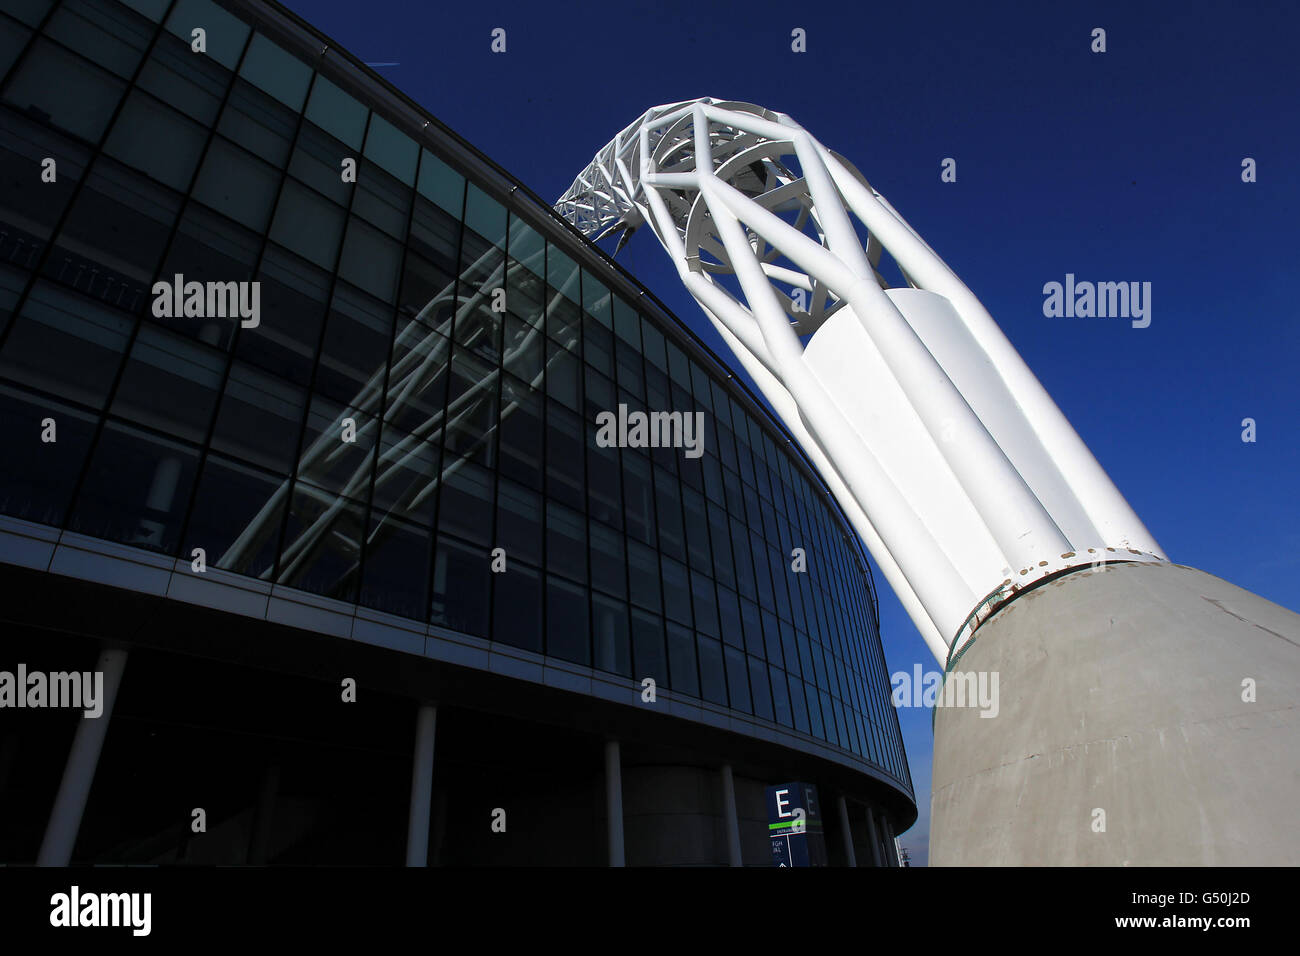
[299, 401]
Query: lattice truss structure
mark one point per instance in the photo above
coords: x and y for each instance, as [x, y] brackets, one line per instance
[963, 478]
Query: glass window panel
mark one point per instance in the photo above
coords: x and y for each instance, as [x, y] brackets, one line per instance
[192, 84]
[729, 612]
[258, 123]
[209, 248]
[142, 125]
[320, 550]
[38, 477]
[524, 351]
[357, 334]
[527, 247]
[337, 113]
[682, 675]
[65, 344]
[638, 498]
[329, 462]
[668, 512]
[603, 491]
[772, 638]
[643, 575]
[283, 76]
[677, 591]
[608, 560]
[237, 184]
[562, 273]
[317, 161]
[236, 517]
[648, 655]
[697, 530]
[170, 383]
[442, 184]
[472, 407]
[597, 301]
[461, 578]
[760, 689]
[260, 419]
[525, 294]
[627, 324]
[517, 608]
[738, 680]
[435, 235]
[521, 433]
[226, 33]
[563, 376]
[382, 200]
[798, 708]
[293, 295]
[32, 12]
[309, 224]
[720, 536]
[567, 633]
[609, 635]
[61, 87]
[563, 320]
[655, 347]
[485, 216]
[705, 604]
[371, 260]
[598, 347]
[519, 522]
[780, 696]
[32, 206]
[628, 362]
[396, 572]
[136, 489]
[392, 149]
[814, 711]
[564, 456]
[405, 478]
[713, 678]
[428, 293]
[566, 542]
[13, 38]
[679, 366]
[103, 33]
[466, 504]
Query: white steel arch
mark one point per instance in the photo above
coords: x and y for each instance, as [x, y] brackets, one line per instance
[963, 478]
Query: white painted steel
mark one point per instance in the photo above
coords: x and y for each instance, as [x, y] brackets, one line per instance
[953, 464]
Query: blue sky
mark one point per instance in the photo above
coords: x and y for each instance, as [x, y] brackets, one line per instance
[1122, 166]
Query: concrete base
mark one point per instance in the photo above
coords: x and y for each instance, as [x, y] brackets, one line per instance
[1120, 692]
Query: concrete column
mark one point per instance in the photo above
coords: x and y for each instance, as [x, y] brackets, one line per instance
[417, 828]
[79, 772]
[874, 837]
[259, 844]
[732, 821]
[847, 831]
[614, 802]
[891, 848]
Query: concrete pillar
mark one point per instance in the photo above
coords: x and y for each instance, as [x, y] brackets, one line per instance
[874, 837]
[891, 848]
[849, 855]
[79, 772]
[259, 844]
[614, 802]
[1160, 702]
[417, 828]
[729, 813]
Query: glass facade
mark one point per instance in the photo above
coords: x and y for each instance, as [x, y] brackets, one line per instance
[418, 388]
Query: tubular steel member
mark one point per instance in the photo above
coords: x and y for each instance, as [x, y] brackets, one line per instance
[957, 469]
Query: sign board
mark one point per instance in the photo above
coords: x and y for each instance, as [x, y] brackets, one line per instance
[794, 823]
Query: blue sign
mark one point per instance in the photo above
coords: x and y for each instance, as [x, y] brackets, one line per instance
[794, 823]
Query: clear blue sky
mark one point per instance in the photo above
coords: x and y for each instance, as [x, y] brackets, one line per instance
[1122, 166]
